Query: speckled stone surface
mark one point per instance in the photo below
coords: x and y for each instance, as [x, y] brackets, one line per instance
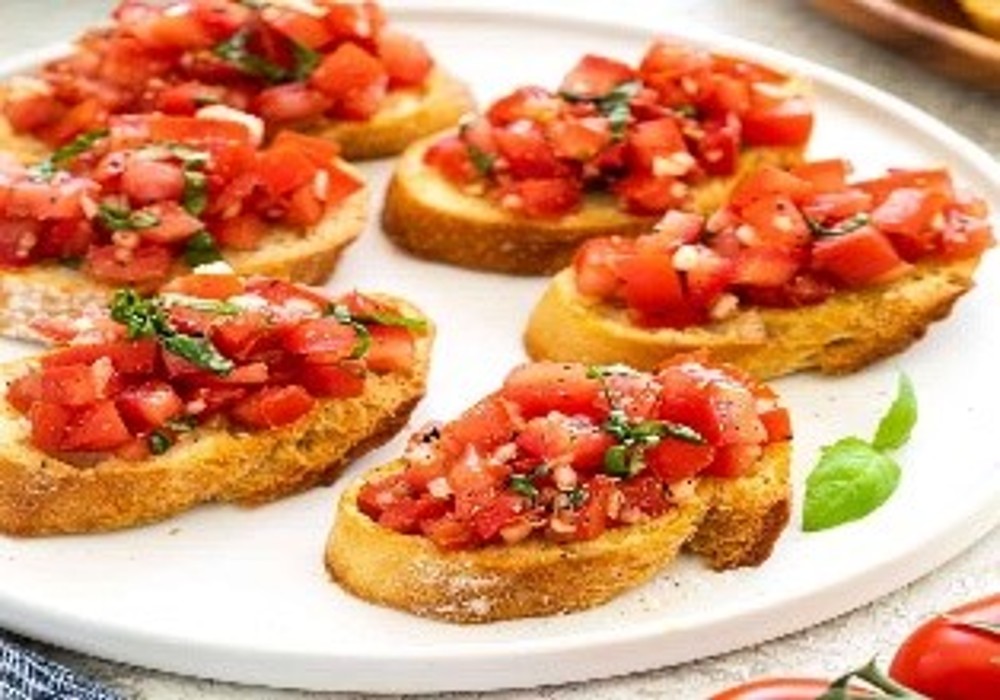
[825, 650]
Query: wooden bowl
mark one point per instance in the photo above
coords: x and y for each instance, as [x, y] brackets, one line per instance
[935, 34]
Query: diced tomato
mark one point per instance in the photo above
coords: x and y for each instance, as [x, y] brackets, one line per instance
[18, 239]
[667, 62]
[827, 207]
[733, 461]
[532, 103]
[206, 286]
[32, 112]
[239, 336]
[769, 181]
[529, 155]
[718, 150]
[592, 520]
[80, 118]
[908, 211]
[172, 31]
[579, 139]
[391, 349]
[450, 155]
[406, 59]
[735, 416]
[646, 493]
[650, 283]
[824, 175]
[558, 439]
[43, 200]
[272, 407]
[356, 80]
[496, 515]
[646, 195]
[595, 264]
[97, 428]
[778, 424]
[448, 533]
[938, 180]
[777, 222]
[541, 387]
[145, 181]
[552, 197]
[786, 123]
[321, 151]
[282, 170]
[656, 141]
[708, 278]
[148, 406]
[487, 425]
[74, 385]
[322, 335]
[674, 460]
[475, 483]
[127, 357]
[406, 514]
[174, 224]
[292, 102]
[859, 258]
[48, 425]
[595, 76]
[193, 131]
[301, 28]
[184, 99]
[764, 267]
[361, 21]
[333, 381]
[965, 237]
[24, 391]
[243, 232]
[145, 265]
[304, 207]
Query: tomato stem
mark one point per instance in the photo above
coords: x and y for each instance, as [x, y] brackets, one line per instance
[871, 674]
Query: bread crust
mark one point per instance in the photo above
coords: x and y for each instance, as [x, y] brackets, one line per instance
[43, 495]
[848, 331]
[537, 577]
[307, 257]
[428, 216]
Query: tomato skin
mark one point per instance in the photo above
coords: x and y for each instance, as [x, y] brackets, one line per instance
[862, 257]
[391, 349]
[147, 264]
[356, 80]
[98, 428]
[946, 660]
[294, 102]
[450, 156]
[323, 335]
[406, 59]
[788, 123]
[596, 76]
[540, 387]
[148, 406]
[273, 407]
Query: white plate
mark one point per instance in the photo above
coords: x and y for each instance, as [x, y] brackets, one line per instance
[242, 595]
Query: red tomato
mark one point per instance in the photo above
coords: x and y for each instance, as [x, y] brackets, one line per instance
[301, 28]
[859, 258]
[487, 425]
[965, 237]
[769, 181]
[656, 140]
[145, 265]
[356, 80]
[824, 175]
[734, 461]
[496, 515]
[174, 223]
[149, 405]
[908, 211]
[595, 263]
[718, 150]
[776, 689]
[558, 439]
[322, 335]
[242, 232]
[32, 112]
[764, 267]
[97, 429]
[787, 123]
[146, 181]
[448, 533]
[596, 76]
[321, 151]
[391, 349]
[450, 156]
[532, 103]
[283, 169]
[646, 493]
[777, 222]
[551, 197]
[354, 21]
[948, 660]
[650, 282]
[529, 155]
[406, 515]
[48, 425]
[333, 381]
[304, 207]
[272, 407]
[540, 387]
[592, 520]
[406, 59]
[292, 102]
[73, 385]
[579, 139]
[184, 99]
[24, 391]
[646, 195]
[214, 286]
[673, 460]
[127, 357]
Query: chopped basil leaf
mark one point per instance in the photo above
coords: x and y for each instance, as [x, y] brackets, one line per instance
[850, 481]
[122, 219]
[158, 442]
[201, 249]
[523, 486]
[235, 52]
[617, 461]
[306, 61]
[896, 425]
[145, 317]
[387, 319]
[83, 142]
[846, 226]
[73, 262]
[689, 111]
[197, 351]
[205, 100]
[481, 160]
[364, 341]
[219, 308]
[577, 497]
[195, 196]
[615, 105]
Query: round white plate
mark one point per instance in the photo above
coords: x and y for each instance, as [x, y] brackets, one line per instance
[242, 594]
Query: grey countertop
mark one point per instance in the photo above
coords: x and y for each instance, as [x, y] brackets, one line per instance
[825, 650]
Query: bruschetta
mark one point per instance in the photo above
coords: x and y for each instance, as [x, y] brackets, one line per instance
[333, 69]
[221, 388]
[150, 196]
[800, 270]
[568, 486]
[518, 188]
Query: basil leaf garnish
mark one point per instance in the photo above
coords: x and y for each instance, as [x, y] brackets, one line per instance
[896, 425]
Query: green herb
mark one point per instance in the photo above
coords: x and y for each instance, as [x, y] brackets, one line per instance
[846, 226]
[123, 219]
[853, 476]
[45, 169]
[305, 59]
[614, 105]
[481, 160]
[158, 442]
[235, 52]
[399, 321]
[896, 425]
[851, 480]
[182, 424]
[195, 197]
[844, 689]
[205, 100]
[523, 486]
[343, 315]
[73, 262]
[688, 111]
[577, 497]
[201, 249]
[145, 317]
[618, 461]
[211, 306]
[254, 4]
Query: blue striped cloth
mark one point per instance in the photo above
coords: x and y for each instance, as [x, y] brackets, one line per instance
[24, 675]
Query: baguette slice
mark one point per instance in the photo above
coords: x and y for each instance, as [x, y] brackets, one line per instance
[55, 290]
[985, 14]
[427, 215]
[851, 329]
[42, 495]
[732, 522]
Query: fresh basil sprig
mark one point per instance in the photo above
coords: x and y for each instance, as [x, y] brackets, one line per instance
[47, 168]
[853, 476]
[236, 52]
[146, 317]
[201, 249]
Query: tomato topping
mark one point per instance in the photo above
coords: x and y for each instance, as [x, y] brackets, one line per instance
[254, 352]
[567, 452]
[784, 239]
[646, 135]
[285, 63]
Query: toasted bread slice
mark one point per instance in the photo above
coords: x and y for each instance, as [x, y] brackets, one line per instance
[538, 577]
[43, 495]
[430, 217]
[851, 329]
[55, 290]
[985, 15]
[406, 116]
